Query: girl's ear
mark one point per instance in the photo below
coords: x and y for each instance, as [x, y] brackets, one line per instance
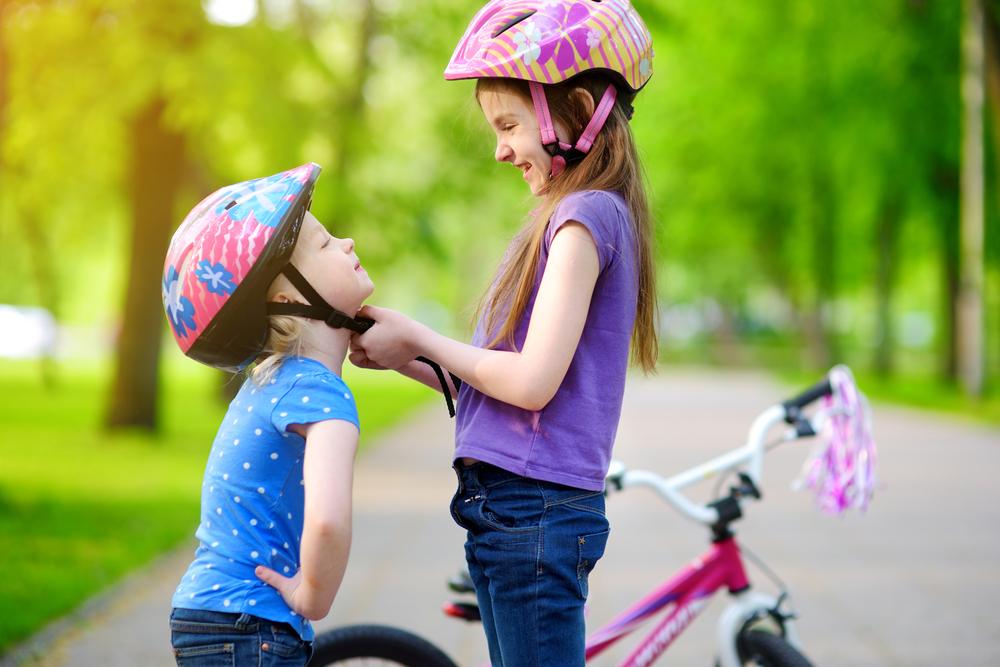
[282, 291]
[583, 97]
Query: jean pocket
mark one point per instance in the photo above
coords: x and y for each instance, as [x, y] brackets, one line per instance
[591, 549]
[512, 509]
[206, 655]
[455, 514]
[588, 502]
[281, 645]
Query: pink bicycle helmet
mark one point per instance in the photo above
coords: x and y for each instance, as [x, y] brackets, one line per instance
[550, 41]
[223, 258]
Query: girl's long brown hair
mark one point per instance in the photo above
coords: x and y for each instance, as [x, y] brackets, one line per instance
[612, 164]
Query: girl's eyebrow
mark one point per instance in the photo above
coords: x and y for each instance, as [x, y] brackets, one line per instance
[321, 232]
[502, 118]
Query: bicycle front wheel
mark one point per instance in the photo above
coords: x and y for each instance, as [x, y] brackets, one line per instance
[765, 649]
[376, 645]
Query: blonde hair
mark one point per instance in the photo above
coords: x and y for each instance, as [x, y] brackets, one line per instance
[611, 164]
[284, 339]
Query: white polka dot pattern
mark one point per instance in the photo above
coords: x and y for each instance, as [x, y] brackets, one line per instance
[253, 501]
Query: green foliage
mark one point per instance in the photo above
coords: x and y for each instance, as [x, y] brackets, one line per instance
[775, 134]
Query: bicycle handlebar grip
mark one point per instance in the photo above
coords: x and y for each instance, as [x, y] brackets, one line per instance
[818, 390]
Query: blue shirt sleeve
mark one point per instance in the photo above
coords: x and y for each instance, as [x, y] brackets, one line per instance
[604, 214]
[312, 398]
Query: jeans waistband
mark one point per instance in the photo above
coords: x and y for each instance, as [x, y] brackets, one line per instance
[482, 474]
[241, 622]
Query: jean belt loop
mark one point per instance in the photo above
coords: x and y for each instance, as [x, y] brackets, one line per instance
[244, 621]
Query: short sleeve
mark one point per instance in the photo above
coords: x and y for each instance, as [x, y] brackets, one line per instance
[605, 216]
[314, 398]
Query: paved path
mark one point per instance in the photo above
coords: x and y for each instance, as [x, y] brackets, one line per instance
[913, 583]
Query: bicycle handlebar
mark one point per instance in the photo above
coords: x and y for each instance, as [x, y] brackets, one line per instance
[818, 390]
[750, 454]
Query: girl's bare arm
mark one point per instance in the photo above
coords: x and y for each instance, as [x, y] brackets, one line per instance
[528, 378]
[328, 473]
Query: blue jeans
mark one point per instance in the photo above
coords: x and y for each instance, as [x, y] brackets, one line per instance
[216, 639]
[530, 547]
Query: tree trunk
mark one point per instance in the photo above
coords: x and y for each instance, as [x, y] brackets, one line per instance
[825, 350]
[351, 120]
[992, 57]
[949, 297]
[886, 245]
[970, 303]
[155, 172]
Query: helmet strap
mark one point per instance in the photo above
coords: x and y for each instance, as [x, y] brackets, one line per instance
[564, 154]
[316, 308]
[319, 309]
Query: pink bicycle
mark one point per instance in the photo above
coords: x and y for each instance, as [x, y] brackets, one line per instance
[754, 629]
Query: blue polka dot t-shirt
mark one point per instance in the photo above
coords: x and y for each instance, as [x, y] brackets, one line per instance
[253, 495]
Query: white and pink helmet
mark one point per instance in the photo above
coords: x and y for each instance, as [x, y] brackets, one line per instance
[551, 41]
[225, 255]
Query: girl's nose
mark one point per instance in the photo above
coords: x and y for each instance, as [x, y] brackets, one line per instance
[347, 244]
[503, 152]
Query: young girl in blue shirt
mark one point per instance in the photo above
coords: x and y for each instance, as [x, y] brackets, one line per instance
[253, 280]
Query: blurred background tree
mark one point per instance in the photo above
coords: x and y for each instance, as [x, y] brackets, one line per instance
[804, 161]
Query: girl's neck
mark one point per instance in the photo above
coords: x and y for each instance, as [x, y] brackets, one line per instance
[326, 345]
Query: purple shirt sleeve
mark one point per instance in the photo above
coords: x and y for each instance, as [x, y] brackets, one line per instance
[601, 213]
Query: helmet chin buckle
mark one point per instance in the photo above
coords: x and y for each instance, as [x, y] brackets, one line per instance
[564, 154]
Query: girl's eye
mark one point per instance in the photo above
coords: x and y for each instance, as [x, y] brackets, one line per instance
[508, 127]
[326, 242]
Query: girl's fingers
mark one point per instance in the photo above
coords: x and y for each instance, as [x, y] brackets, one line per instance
[269, 576]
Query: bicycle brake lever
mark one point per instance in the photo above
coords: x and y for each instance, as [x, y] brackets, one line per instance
[746, 487]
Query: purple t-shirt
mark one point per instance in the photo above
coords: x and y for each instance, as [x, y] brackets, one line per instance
[568, 441]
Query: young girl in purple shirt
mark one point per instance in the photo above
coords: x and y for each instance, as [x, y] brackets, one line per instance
[574, 298]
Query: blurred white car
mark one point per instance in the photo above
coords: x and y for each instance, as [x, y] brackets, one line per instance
[27, 332]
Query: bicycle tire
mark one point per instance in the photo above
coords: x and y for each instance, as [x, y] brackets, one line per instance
[766, 649]
[381, 642]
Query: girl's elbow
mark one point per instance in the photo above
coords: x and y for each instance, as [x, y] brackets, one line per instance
[535, 399]
[329, 530]
[317, 612]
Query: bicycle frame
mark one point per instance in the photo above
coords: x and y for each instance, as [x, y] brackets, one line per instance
[688, 592]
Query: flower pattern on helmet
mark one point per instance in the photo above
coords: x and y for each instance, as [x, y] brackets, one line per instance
[569, 23]
[221, 240]
[217, 279]
[593, 39]
[263, 197]
[561, 39]
[180, 310]
[527, 40]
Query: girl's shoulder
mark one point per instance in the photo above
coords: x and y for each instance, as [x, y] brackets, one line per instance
[303, 370]
[603, 212]
[298, 372]
[599, 201]
[306, 391]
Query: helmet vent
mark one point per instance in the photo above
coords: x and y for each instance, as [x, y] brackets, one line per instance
[231, 204]
[513, 22]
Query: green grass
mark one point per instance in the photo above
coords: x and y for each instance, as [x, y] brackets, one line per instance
[80, 507]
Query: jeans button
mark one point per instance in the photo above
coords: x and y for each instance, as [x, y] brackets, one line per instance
[265, 647]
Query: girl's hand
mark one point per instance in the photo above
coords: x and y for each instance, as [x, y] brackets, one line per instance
[391, 343]
[360, 359]
[288, 587]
